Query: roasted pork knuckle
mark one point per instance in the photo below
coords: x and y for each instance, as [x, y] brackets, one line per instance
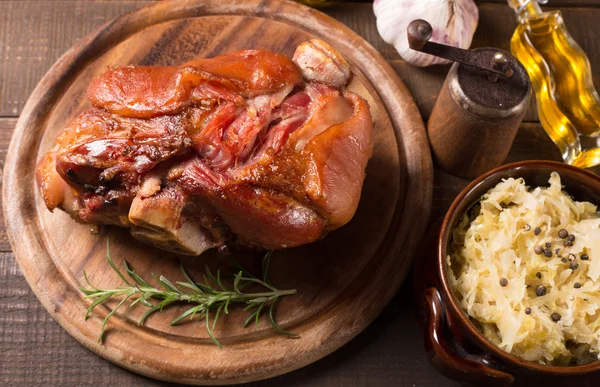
[246, 149]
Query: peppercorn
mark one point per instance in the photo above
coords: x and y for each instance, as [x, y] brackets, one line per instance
[540, 291]
[527, 227]
[537, 231]
[503, 205]
[557, 251]
[527, 310]
[573, 266]
[562, 234]
[539, 275]
[572, 257]
[577, 285]
[548, 245]
[503, 282]
[584, 257]
[556, 317]
[568, 244]
[548, 253]
[564, 260]
[571, 238]
[538, 250]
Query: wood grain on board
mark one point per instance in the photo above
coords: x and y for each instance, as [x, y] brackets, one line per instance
[35, 350]
[366, 261]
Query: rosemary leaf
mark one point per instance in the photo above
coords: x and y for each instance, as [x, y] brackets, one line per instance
[219, 281]
[206, 280]
[88, 282]
[152, 309]
[209, 331]
[259, 300]
[274, 324]
[217, 316]
[145, 301]
[110, 314]
[211, 276]
[134, 302]
[258, 282]
[236, 282]
[168, 285]
[189, 286]
[265, 265]
[133, 275]
[204, 288]
[258, 312]
[190, 282]
[168, 300]
[212, 296]
[250, 318]
[201, 310]
[191, 311]
[112, 264]
[97, 302]
[88, 292]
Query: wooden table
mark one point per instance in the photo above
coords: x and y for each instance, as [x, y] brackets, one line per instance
[35, 350]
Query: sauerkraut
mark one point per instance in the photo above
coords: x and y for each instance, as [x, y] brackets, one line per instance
[525, 266]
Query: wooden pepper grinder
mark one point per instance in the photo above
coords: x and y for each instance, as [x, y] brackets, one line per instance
[480, 107]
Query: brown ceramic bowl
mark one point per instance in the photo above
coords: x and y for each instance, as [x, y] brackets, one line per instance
[455, 347]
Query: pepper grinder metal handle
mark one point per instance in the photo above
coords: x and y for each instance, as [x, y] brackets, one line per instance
[480, 107]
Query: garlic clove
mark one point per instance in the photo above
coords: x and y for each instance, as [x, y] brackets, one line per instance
[321, 62]
[453, 21]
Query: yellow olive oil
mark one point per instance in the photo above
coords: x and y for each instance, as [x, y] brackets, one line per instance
[567, 102]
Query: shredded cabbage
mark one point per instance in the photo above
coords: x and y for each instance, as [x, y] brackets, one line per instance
[494, 245]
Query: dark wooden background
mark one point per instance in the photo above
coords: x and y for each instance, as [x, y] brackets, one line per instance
[34, 350]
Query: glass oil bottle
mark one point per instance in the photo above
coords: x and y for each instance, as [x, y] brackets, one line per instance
[567, 102]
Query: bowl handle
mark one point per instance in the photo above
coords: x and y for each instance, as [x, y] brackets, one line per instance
[445, 359]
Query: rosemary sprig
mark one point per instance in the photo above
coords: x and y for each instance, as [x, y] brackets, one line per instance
[210, 298]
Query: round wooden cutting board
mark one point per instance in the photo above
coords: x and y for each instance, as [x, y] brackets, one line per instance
[343, 282]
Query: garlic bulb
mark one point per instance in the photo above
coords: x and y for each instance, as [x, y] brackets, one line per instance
[453, 21]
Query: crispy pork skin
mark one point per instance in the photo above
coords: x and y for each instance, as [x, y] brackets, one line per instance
[246, 149]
